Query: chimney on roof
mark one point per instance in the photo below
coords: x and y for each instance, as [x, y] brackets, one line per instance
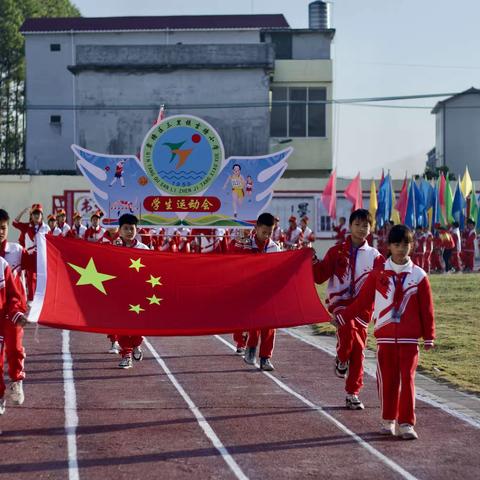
[318, 15]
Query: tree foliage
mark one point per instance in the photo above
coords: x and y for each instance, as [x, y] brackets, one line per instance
[12, 72]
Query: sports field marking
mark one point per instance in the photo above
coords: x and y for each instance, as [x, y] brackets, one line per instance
[71, 417]
[421, 394]
[205, 426]
[380, 456]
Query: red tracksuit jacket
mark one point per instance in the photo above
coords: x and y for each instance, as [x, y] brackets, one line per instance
[408, 294]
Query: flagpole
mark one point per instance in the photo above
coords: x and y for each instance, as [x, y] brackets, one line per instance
[414, 223]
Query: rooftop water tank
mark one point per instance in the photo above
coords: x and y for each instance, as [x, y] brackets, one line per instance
[318, 15]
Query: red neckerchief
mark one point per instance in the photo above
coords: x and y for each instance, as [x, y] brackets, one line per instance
[262, 247]
[398, 281]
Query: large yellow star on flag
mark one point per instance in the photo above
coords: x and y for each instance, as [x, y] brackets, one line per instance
[136, 308]
[154, 300]
[90, 276]
[136, 264]
[154, 281]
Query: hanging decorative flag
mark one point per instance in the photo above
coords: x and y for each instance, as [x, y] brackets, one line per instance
[402, 201]
[353, 192]
[384, 211]
[329, 195]
[104, 289]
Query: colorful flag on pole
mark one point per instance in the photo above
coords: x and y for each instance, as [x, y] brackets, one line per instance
[466, 184]
[473, 212]
[448, 202]
[441, 199]
[395, 215]
[353, 192]
[458, 207]
[104, 288]
[411, 214]
[384, 211]
[373, 204]
[402, 201]
[329, 195]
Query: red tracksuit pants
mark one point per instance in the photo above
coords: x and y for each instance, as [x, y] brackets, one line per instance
[240, 339]
[396, 365]
[436, 262]
[31, 280]
[427, 261]
[455, 260]
[468, 259]
[417, 259]
[15, 353]
[351, 342]
[128, 343]
[267, 341]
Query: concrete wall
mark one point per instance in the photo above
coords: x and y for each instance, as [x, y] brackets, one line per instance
[462, 135]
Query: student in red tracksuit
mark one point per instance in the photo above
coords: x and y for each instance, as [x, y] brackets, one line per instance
[340, 230]
[468, 246]
[436, 258]
[16, 257]
[77, 230]
[29, 232]
[259, 242]
[427, 259]
[94, 233]
[12, 309]
[129, 344]
[403, 313]
[346, 267]
[419, 247]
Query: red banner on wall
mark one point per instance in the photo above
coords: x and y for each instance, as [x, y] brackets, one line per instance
[105, 289]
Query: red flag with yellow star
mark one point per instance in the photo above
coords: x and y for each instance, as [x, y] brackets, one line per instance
[104, 288]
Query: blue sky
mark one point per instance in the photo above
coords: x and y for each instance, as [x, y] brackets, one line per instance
[381, 48]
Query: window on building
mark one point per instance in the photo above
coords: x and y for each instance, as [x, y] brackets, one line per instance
[55, 119]
[55, 47]
[298, 112]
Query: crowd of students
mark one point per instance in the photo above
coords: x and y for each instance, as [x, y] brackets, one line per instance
[362, 285]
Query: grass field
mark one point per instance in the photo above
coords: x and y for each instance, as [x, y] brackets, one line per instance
[456, 356]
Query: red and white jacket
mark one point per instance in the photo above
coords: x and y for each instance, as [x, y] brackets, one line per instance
[17, 259]
[64, 229]
[428, 242]
[12, 302]
[293, 238]
[468, 240]
[341, 233]
[77, 232]
[252, 245]
[402, 304]
[28, 240]
[94, 234]
[455, 232]
[119, 242]
[346, 268]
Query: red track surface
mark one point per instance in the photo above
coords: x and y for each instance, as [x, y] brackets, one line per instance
[134, 424]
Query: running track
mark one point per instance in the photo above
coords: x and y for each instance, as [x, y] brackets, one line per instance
[194, 409]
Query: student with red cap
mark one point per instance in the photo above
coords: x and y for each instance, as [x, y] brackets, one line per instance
[294, 234]
[61, 224]
[52, 226]
[77, 230]
[29, 232]
[94, 233]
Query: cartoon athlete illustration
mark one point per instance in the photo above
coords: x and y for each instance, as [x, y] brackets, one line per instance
[249, 187]
[238, 185]
[119, 173]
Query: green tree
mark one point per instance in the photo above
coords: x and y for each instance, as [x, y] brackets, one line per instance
[12, 72]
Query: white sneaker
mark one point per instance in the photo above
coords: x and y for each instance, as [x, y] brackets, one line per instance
[137, 354]
[16, 392]
[407, 432]
[388, 427]
[115, 348]
[126, 362]
[3, 404]
[354, 403]
[266, 365]
[250, 355]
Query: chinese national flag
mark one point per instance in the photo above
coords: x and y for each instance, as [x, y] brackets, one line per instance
[109, 289]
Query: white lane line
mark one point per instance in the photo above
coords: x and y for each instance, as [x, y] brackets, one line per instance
[205, 426]
[380, 456]
[421, 394]
[71, 417]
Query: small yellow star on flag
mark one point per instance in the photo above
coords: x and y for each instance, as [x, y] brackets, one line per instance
[136, 264]
[136, 308]
[91, 276]
[154, 281]
[154, 300]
